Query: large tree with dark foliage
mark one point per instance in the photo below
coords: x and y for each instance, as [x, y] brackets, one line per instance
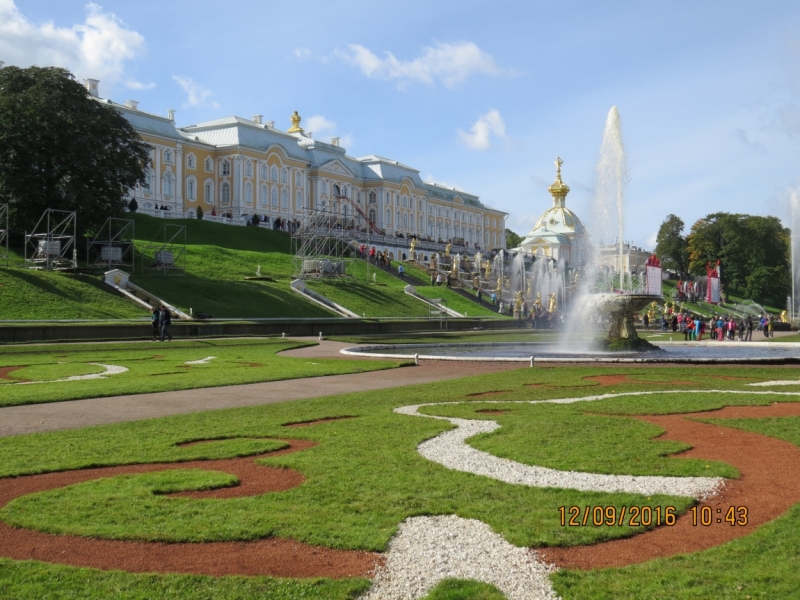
[512, 239]
[61, 149]
[671, 245]
[753, 252]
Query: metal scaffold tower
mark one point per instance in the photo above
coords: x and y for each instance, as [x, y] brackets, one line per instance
[4, 256]
[113, 245]
[324, 244]
[167, 251]
[51, 245]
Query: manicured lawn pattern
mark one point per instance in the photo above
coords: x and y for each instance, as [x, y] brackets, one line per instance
[157, 367]
[365, 476]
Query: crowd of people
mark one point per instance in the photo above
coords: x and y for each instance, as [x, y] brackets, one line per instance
[720, 328]
[160, 319]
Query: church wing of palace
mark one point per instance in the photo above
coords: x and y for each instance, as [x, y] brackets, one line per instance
[248, 166]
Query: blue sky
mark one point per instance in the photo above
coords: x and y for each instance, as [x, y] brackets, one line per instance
[478, 95]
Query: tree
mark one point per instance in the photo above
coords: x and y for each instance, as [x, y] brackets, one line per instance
[199, 212]
[753, 252]
[671, 245]
[61, 149]
[512, 239]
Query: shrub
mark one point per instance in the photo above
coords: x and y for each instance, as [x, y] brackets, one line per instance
[133, 205]
[199, 212]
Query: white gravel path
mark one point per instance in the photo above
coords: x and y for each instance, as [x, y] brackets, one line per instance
[109, 370]
[427, 550]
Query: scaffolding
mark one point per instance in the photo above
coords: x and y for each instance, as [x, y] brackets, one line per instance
[4, 256]
[113, 246]
[324, 244]
[52, 245]
[166, 252]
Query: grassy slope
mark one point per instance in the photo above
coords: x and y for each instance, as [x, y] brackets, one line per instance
[32, 294]
[155, 367]
[219, 257]
[386, 298]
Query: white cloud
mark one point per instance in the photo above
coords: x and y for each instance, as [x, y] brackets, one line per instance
[320, 127]
[451, 64]
[650, 242]
[196, 95]
[302, 53]
[488, 125]
[97, 48]
[430, 179]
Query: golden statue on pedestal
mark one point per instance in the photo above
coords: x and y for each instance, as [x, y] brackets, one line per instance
[447, 251]
[413, 244]
[518, 303]
[499, 287]
[295, 128]
[651, 313]
[784, 317]
[538, 304]
[551, 308]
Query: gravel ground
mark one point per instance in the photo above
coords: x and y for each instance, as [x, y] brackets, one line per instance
[427, 550]
[451, 450]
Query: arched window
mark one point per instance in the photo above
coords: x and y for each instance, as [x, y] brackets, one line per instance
[388, 198]
[275, 198]
[397, 219]
[264, 172]
[430, 226]
[494, 222]
[225, 195]
[284, 175]
[388, 218]
[209, 192]
[372, 198]
[299, 200]
[405, 201]
[190, 161]
[209, 165]
[371, 215]
[284, 199]
[298, 179]
[421, 223]
[226, 168]
[248, 193]
[494, 239]
[190, 188]
[150, 181]
[274, 173]
[168, 185]
[336, 190]
[263, 196]
[405, 221]
[248, 169]
[168, 157]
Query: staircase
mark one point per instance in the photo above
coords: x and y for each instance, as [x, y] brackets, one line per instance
[119, 281]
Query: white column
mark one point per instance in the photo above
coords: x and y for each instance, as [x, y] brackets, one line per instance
[179, 178]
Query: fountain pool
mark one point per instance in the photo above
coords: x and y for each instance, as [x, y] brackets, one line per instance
[670, 352]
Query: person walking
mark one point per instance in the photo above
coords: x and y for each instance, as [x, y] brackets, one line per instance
[748, 326]
[401, 271]
[439, 279]
[494, 299]
[165, 319]
[155, 317]
[646, 322]
[770, 331]
[740, 328]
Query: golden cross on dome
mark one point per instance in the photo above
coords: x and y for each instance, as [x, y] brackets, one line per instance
[558, 162]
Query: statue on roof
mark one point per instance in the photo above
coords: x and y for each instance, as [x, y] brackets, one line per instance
[296, 118]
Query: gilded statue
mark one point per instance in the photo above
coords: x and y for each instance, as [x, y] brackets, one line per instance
[296, 118]
[518, 302]
[651, 314]
[413, 244]
[538, 304]
[551, 308]
[784, 317]
[499, 288]
[447, 251]
[454, 267]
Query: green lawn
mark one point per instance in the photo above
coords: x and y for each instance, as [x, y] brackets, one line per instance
[365, 476]
[158, 367]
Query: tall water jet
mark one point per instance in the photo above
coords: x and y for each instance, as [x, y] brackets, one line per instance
[795, 202]
[612, 172]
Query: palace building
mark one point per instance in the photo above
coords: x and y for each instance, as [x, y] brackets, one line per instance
[249, 166]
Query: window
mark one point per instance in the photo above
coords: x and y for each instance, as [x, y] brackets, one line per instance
[274, 173]
[209, 192]
[263, 198]
[388, 198]
[284, 175]
[190, 188]
[226, 168]
[324, 187]
[150, 181]
[248, 169]
[371, 215]
[299, 200]
[284, 200]
[209, 165]
[372, 199]
[168, 157]
[298, 179]
[411, 203]
[336, 190]
[248, 193]
[494, 222]
[388, 218]
[397, 219]
[405, 221]
[275, 198]
[421, 223]
[190, 162]
[264, 172]
[359, 197]
[405, 201]
[225, 196]
[168, 185]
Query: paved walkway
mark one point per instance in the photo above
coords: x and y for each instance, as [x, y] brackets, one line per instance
[16, 420]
